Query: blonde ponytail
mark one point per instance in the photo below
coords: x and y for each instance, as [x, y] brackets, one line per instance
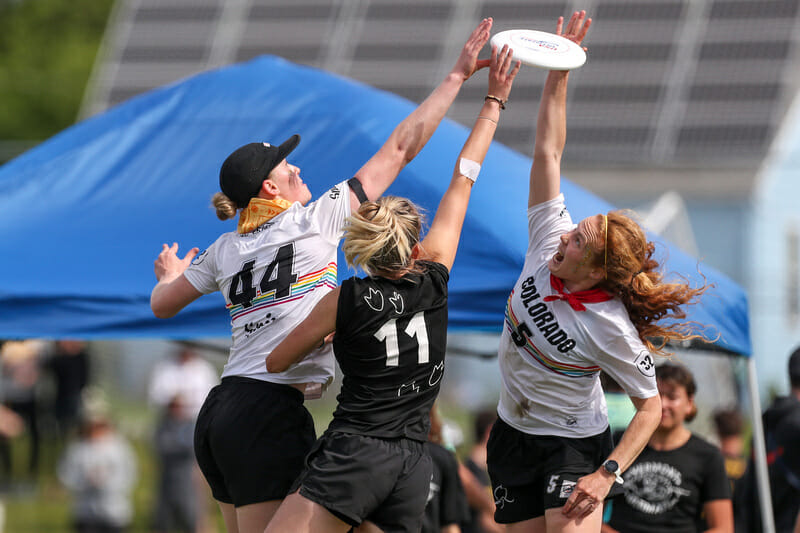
[224, 206]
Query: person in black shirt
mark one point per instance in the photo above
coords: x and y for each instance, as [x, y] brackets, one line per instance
[447, 508]
[69, 365]
[678, 484]
[476, 480]
[391, 330]
[782, 437]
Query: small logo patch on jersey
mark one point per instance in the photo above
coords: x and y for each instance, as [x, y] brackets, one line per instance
[563, 213]
[334, 194]
[262, 227]
[644, 362]
[436, 374]
[252, 327]
[396, 300]
[199, 258]
[566, 488]
[374, 300]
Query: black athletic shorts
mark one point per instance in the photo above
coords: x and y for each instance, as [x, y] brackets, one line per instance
[532, 473]
[251, 439]
[358, 478]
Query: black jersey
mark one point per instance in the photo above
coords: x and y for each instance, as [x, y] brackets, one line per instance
[390, 342]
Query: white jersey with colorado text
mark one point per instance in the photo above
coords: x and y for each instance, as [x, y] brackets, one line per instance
[550, 355]
[271, 279]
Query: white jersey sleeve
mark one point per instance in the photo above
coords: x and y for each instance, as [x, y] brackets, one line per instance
[547, 222]
[628, 361]
[202, 272]
[331, 211]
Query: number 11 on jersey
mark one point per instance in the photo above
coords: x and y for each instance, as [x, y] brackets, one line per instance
[416, 328]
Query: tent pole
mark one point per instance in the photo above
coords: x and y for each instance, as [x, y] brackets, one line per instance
[760, 452]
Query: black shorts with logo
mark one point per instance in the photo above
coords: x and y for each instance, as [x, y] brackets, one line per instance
[532, 473]
[358, 478]
[251, 439]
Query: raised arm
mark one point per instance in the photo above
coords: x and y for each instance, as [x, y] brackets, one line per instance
[441, 242]
[551, 124]
[173, 291]
[410, 136]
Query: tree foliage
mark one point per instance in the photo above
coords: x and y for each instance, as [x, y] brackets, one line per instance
[47, 51]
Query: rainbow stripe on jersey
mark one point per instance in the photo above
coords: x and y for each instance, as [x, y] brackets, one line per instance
[563, 369]
[304, 285]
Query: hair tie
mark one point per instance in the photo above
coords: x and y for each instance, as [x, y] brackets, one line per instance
[634, 276]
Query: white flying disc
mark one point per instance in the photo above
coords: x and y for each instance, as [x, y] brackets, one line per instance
[541, 49]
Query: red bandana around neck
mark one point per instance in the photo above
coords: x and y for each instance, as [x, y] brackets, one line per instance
[575, 299]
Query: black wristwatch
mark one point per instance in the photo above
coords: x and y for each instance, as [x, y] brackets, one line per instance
[612, 467]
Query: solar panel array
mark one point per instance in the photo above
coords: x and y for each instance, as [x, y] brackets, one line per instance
[668, 83]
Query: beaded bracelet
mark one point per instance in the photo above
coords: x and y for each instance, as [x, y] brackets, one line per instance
[496, 99]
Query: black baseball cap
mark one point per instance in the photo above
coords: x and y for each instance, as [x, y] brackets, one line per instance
[244, 171]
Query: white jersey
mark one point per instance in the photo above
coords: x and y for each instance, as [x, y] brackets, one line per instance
[271, 279]
[550, 355]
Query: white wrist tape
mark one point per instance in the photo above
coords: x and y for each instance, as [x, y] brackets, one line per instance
[469, 168]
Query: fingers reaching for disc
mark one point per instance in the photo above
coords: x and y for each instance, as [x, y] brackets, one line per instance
[577, 27]
[501, 73]
[468, 63]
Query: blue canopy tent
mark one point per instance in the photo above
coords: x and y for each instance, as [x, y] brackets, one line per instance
[84, 214]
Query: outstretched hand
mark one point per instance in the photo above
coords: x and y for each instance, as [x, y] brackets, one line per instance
[168, 265]
[468, 63]
[577, 27]
[501, 74]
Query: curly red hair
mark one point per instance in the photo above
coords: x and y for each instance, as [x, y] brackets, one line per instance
[633, 275]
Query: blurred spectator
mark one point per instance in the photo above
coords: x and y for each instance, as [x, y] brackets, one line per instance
[69, 366]
[619, 405]
[678, 482]
[20, 377]
[782, 438]
[176, 504]
[729, 426]
[99, 469]
[475, 478]
[447, 505]
[190, 377]
[11, 425]
[185, 374]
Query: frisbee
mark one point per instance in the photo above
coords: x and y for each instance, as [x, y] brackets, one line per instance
[541, 49]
